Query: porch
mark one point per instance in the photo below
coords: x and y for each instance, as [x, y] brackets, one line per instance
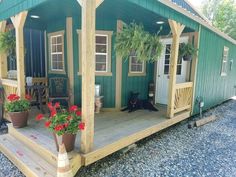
[33, 149]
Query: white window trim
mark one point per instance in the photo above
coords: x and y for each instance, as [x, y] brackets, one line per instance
[224, 61]
[133, 73]
[50, 35]
[109, 52]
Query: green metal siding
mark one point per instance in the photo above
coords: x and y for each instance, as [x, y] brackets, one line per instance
[210, 85]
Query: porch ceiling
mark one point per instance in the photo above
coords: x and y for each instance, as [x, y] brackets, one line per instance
[52, 11]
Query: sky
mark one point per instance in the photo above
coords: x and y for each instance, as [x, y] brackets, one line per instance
[196, 3]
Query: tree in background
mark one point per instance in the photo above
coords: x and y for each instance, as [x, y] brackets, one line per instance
[222, 14]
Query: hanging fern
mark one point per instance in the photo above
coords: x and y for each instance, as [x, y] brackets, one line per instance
[8, 43]
[134, 40]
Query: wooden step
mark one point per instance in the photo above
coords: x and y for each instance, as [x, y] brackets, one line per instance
[27, 161]
[43, 145]
[36, 141]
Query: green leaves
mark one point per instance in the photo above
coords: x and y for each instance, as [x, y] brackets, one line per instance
[187, 50]
[17, 106]
[133, 40]
[7, 43]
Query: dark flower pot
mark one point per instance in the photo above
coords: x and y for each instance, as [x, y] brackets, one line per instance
[67, 139]
[19, 119]
[187, 58]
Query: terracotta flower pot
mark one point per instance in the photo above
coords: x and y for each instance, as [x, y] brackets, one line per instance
[19, 119]
[67, 139]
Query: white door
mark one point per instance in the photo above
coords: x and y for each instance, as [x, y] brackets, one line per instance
[162, 74]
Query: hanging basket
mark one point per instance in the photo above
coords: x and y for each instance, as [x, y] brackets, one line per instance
[187, 58]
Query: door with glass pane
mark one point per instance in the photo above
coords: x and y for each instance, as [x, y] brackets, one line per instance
[163, 69]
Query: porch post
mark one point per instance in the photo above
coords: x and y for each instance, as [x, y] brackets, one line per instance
[176, 29]
[3, 57]
[118, 71]
[18, 22]
[70, 58]
[88, 72]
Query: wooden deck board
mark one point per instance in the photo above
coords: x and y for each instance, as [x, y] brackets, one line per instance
[113, 131]
[25, 159]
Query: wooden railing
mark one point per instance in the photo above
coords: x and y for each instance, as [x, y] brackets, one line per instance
[183, 97]
[10, 86]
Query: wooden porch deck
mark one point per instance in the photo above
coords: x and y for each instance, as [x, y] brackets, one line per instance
[113, 131]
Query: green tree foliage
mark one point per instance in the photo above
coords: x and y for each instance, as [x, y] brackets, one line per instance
[222, 14]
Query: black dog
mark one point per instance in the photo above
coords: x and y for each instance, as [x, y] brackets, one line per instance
[134, 104]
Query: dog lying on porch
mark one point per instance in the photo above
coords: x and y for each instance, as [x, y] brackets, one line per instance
[134, 104]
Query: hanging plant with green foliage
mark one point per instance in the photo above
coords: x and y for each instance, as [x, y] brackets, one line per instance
[187, 51]
[8, 44]
[134, 40]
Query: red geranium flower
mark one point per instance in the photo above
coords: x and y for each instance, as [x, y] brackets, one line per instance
[53, 112]
[81, 126]
[57, 105]
[58, 128]
[66, 124]
[39, 117]
[28, 97]
[50, 105]
[73, 108]
[69, 117]
[13, 97]
[47, 124]
[78, 113]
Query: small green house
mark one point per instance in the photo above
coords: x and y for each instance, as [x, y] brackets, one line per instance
[75, 39]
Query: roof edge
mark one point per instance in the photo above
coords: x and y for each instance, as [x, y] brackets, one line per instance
[197, 19]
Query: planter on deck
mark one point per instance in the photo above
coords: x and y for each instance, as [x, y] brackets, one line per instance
[19, 119]
[67, 139]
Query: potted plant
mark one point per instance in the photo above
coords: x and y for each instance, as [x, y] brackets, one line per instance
[63, 124]
[18, 110]
[8, 44]
[133, 40]
[187, 51]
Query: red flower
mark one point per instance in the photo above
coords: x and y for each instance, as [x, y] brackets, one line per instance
[47, 124]
[50, 105]
[57, 105]
[39, 117]
[78, 113]
[81, 126]
[13, 97]
[58, 128]
[53, 112]
[73, 108]
[28, 97]
[69, 117]
[66, 124]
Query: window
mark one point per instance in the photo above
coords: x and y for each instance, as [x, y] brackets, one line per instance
[167, 62]
[135, 66]
[103, 52]
[225, 61]
[56, 52]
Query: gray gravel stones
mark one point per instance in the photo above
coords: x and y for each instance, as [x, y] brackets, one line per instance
[205, 151]
[209, 150]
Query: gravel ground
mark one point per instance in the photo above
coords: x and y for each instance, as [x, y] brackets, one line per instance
[209, 150]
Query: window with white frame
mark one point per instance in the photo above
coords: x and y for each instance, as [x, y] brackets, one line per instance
[101, 53]
[56, 43]
[225, 61]
[136, 66]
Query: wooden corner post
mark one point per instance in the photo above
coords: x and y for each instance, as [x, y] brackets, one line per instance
[3, 56]
[176, 29]
[119, 71]
[19, 22]
[88, 71]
